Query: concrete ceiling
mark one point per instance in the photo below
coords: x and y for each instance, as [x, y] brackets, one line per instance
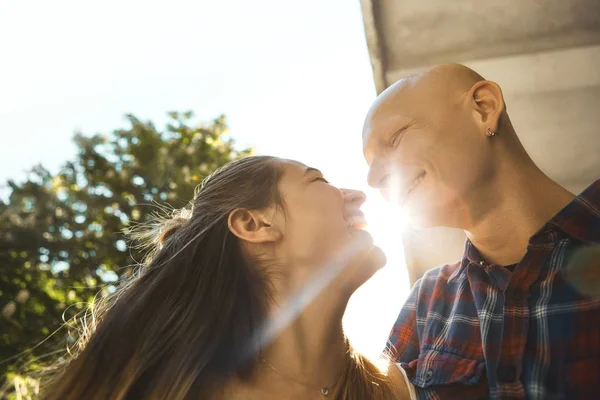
[545, 54]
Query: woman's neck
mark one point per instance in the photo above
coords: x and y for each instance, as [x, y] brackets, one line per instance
[308, 351]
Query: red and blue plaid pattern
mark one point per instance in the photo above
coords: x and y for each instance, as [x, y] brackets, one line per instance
[472, 330]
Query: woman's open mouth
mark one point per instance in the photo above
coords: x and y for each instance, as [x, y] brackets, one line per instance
[357, 221]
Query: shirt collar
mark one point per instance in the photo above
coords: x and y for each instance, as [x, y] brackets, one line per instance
[581, 217]
[470, 255]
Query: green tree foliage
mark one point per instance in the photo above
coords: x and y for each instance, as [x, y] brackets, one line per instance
[61, 235]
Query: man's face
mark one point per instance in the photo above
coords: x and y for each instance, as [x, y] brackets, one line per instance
[425, 152]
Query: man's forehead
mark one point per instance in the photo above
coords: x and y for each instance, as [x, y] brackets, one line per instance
[388, 109]
[418, 96]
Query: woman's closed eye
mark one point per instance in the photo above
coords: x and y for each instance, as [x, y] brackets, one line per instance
[320, 179]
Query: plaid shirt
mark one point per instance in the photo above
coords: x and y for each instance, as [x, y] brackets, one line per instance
[472, 330]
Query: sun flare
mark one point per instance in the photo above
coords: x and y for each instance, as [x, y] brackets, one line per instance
[375, 306]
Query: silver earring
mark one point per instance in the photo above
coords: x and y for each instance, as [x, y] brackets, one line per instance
[490, 133]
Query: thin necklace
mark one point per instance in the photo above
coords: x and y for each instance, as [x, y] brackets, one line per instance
[324, 390]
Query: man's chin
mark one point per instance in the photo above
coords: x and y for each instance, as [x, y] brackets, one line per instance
[432, 214]
[421, 223]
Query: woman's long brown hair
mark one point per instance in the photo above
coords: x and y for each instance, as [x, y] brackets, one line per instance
[180, 328]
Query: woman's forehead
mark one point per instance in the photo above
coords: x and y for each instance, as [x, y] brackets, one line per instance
[291, 163]
[293, 168]
[294, 176]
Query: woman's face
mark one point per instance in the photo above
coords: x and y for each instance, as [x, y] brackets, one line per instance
[322, 223]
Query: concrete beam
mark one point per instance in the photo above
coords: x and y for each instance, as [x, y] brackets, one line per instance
[430, 32]
[532, 73]
[375, 44]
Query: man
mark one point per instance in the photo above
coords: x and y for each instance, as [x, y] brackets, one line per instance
[519, 316]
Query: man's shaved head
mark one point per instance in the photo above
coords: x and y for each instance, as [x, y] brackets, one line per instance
[426, 140]
[445, 79]
[443, 83]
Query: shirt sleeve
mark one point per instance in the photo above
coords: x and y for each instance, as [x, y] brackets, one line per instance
[403, 343]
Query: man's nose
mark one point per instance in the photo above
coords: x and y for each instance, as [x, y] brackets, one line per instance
[378, 174]
[354, 197]
[377, 178]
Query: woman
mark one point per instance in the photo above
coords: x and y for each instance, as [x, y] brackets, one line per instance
[242, 297]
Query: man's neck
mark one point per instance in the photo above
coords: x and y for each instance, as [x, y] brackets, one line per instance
[512, 209]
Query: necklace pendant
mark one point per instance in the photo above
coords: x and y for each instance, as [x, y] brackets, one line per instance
[325, 391]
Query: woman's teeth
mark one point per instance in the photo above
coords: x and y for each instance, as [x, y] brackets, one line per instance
[357, 222]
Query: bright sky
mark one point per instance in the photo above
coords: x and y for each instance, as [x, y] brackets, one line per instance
[293, 78]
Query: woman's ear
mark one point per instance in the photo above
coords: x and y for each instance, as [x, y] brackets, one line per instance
[253, 226]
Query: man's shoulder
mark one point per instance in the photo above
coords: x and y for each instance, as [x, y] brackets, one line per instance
[431, 300]
[438, 277]
[434, 290]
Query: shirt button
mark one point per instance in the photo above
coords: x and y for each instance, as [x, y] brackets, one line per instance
[509, 374]
[428, 375]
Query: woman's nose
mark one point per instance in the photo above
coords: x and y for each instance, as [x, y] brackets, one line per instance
[354, 197]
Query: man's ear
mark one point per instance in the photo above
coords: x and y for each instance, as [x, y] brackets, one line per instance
[253, 226]
[488, 104]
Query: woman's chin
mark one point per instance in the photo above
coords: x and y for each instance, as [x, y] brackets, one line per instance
[378, 258]
[360, 272]
[365, 259]
[362, 238]
[374, 261]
